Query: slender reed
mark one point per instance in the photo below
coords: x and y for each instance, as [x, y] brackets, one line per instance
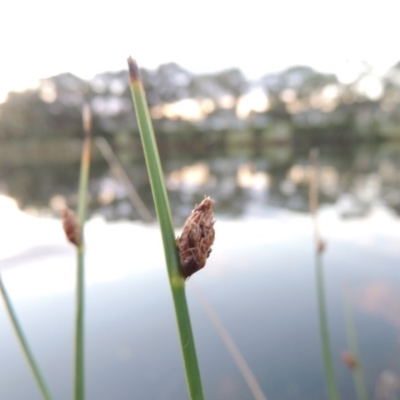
[230, 344]
[319, 270]
[355, 367]
[122, 176]
[24, 343]
[79, 384]
[177, 281]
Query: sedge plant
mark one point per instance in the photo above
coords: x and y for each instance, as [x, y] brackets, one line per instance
[176, 278]
[24, 343]
[231, 346]
[352, 359]
[79, 359]
[319, 271]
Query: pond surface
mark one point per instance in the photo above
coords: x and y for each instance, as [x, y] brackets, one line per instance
[352, 178]
[259, 280]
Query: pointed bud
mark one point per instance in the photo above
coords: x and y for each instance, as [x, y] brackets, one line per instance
[87, 119]
[321, 246]
[349, 360]
[134, 74]
[197, 237]
[71, 226]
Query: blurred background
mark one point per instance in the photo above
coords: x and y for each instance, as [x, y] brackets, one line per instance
[238, 94]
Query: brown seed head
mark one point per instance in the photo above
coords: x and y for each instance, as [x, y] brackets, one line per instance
[321, 246]
[134, 74]
[197, 237]
[87, 119]
[349, 360]
[71, 226]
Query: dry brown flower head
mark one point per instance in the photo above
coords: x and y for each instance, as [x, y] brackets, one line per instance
[71, 226]
[349, 360]
[321, 246]
[197, 237]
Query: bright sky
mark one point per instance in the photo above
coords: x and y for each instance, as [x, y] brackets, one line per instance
[45, 37]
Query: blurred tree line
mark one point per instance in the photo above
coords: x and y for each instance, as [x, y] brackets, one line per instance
[298, 104]
[212, 115]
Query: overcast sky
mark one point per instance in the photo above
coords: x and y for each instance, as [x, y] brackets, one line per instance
[41, 38]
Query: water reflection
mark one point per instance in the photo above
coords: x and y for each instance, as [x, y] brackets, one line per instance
[355, 179]
[259, 281]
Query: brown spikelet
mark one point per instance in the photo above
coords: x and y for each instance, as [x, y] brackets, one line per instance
[197, 237]
[134, 74]
[71, 226]
[87, 119]
[349, 360]
[321, 246]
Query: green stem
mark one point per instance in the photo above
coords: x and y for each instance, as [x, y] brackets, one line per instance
[319, 272]
[24, 344]
[324, 332]
[79, 329]
[176, 279]
[192, 370]
[358, 374]
[79, 386]
[231, 346]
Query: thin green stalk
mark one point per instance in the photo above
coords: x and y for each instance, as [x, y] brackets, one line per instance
[176, 279]
[324, 331]
[358, 374]
[230, 344]
[118, 170]
[79, 386]
[319, 271]
[24, 343]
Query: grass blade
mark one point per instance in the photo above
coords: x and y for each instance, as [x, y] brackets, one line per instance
[230, 344]
[119, 172]
[176, 279]
[319, 271]
[24, 343]
[79, 384]
[357, 370]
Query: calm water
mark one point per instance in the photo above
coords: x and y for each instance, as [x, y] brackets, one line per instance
[259, 280]
[353, 178]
